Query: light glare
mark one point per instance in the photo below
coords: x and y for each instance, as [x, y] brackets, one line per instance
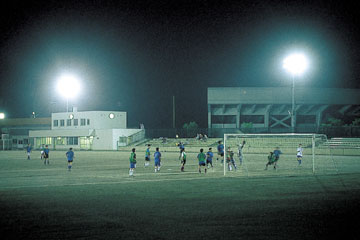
[295, 64]
[2, 115]
[68, 86]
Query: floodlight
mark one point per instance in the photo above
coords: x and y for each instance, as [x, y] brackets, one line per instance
[68, 86]
[2, 115]
[295, 63]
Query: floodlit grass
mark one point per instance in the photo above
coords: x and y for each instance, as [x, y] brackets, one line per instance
[98, 200]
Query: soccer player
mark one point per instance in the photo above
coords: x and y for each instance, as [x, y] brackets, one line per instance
[209, 157]
[42, 152]
[299, 154]
[132, 162]
[181, 147]
[157, 157]
[46, 154]
[240, 153]
[201, 157]
[183, 159]
[220, 149]
[147, 156]
[70, 158]
[230, 159]
[28, 151]
[277, 153]
[271, 160]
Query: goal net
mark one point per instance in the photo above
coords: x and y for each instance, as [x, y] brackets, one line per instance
[255, 154]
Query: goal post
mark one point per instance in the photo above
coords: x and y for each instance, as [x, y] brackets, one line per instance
[258, 146]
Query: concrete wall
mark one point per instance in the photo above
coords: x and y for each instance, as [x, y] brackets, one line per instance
[98, 120]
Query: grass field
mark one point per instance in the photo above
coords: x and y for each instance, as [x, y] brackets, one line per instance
[98, 199]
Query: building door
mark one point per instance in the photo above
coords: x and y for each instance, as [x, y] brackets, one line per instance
[86, 143]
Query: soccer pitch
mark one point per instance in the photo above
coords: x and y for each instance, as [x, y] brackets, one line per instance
[98, 199]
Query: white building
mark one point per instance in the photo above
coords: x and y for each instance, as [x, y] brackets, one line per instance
[90, 130]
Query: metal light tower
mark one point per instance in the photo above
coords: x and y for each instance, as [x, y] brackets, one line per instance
[295, 64]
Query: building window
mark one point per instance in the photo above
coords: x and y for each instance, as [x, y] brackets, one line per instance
[26, 141]
[223, 119]
[14, 141]
[62, 123]
[68, 122]
[82, 122]
[252, 119]
[88, 122]
[60, 140]
[76, 122]
[56, 123]
[72, 140]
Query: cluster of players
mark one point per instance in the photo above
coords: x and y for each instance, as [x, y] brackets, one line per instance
[205, 160]
[45, 153]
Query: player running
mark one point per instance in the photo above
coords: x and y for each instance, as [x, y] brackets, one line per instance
[240, 153]
[230, 159]
[70, 158]
[209, 157]
[201, 157]
[147, 156]
[28, 151]
[277, 153]
[157, 157]
[183, 159]
[132, 162]
[299, 154]
[271, 160]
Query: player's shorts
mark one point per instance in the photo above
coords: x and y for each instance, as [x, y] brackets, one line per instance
[157, 163]
[70, 160]
[221, 154]
[201, 163]
[299, 156]
[277, 158]
[28, 153]
[208, 161]
[132, 165]
[183, 161]
[46, 155]
[147, 159]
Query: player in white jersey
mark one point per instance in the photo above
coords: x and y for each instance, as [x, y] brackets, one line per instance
[299, 154]
[240, 153]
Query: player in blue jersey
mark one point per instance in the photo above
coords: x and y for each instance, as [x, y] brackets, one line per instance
[157, 157]
[209, 157]
[28, 151]
[46, 154]
[277, 153]
[220, 149]
[147, 156]
[70, 158]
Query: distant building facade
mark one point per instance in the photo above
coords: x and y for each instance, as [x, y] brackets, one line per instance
[269, 109]
[87, 130]
[15, 131]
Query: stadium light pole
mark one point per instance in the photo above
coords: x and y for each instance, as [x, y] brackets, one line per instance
[296, 64]
[68, 86]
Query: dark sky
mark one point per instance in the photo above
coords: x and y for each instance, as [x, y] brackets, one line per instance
[134, 56]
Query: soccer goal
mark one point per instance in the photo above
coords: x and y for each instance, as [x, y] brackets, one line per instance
[316, 156]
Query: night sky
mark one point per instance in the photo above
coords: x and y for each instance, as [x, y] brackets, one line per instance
[134, 56]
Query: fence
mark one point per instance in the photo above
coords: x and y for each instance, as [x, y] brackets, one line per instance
[345, 131]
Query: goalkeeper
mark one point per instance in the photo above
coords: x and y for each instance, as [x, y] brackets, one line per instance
[240, 153]
[132, 162]
[271, 160]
